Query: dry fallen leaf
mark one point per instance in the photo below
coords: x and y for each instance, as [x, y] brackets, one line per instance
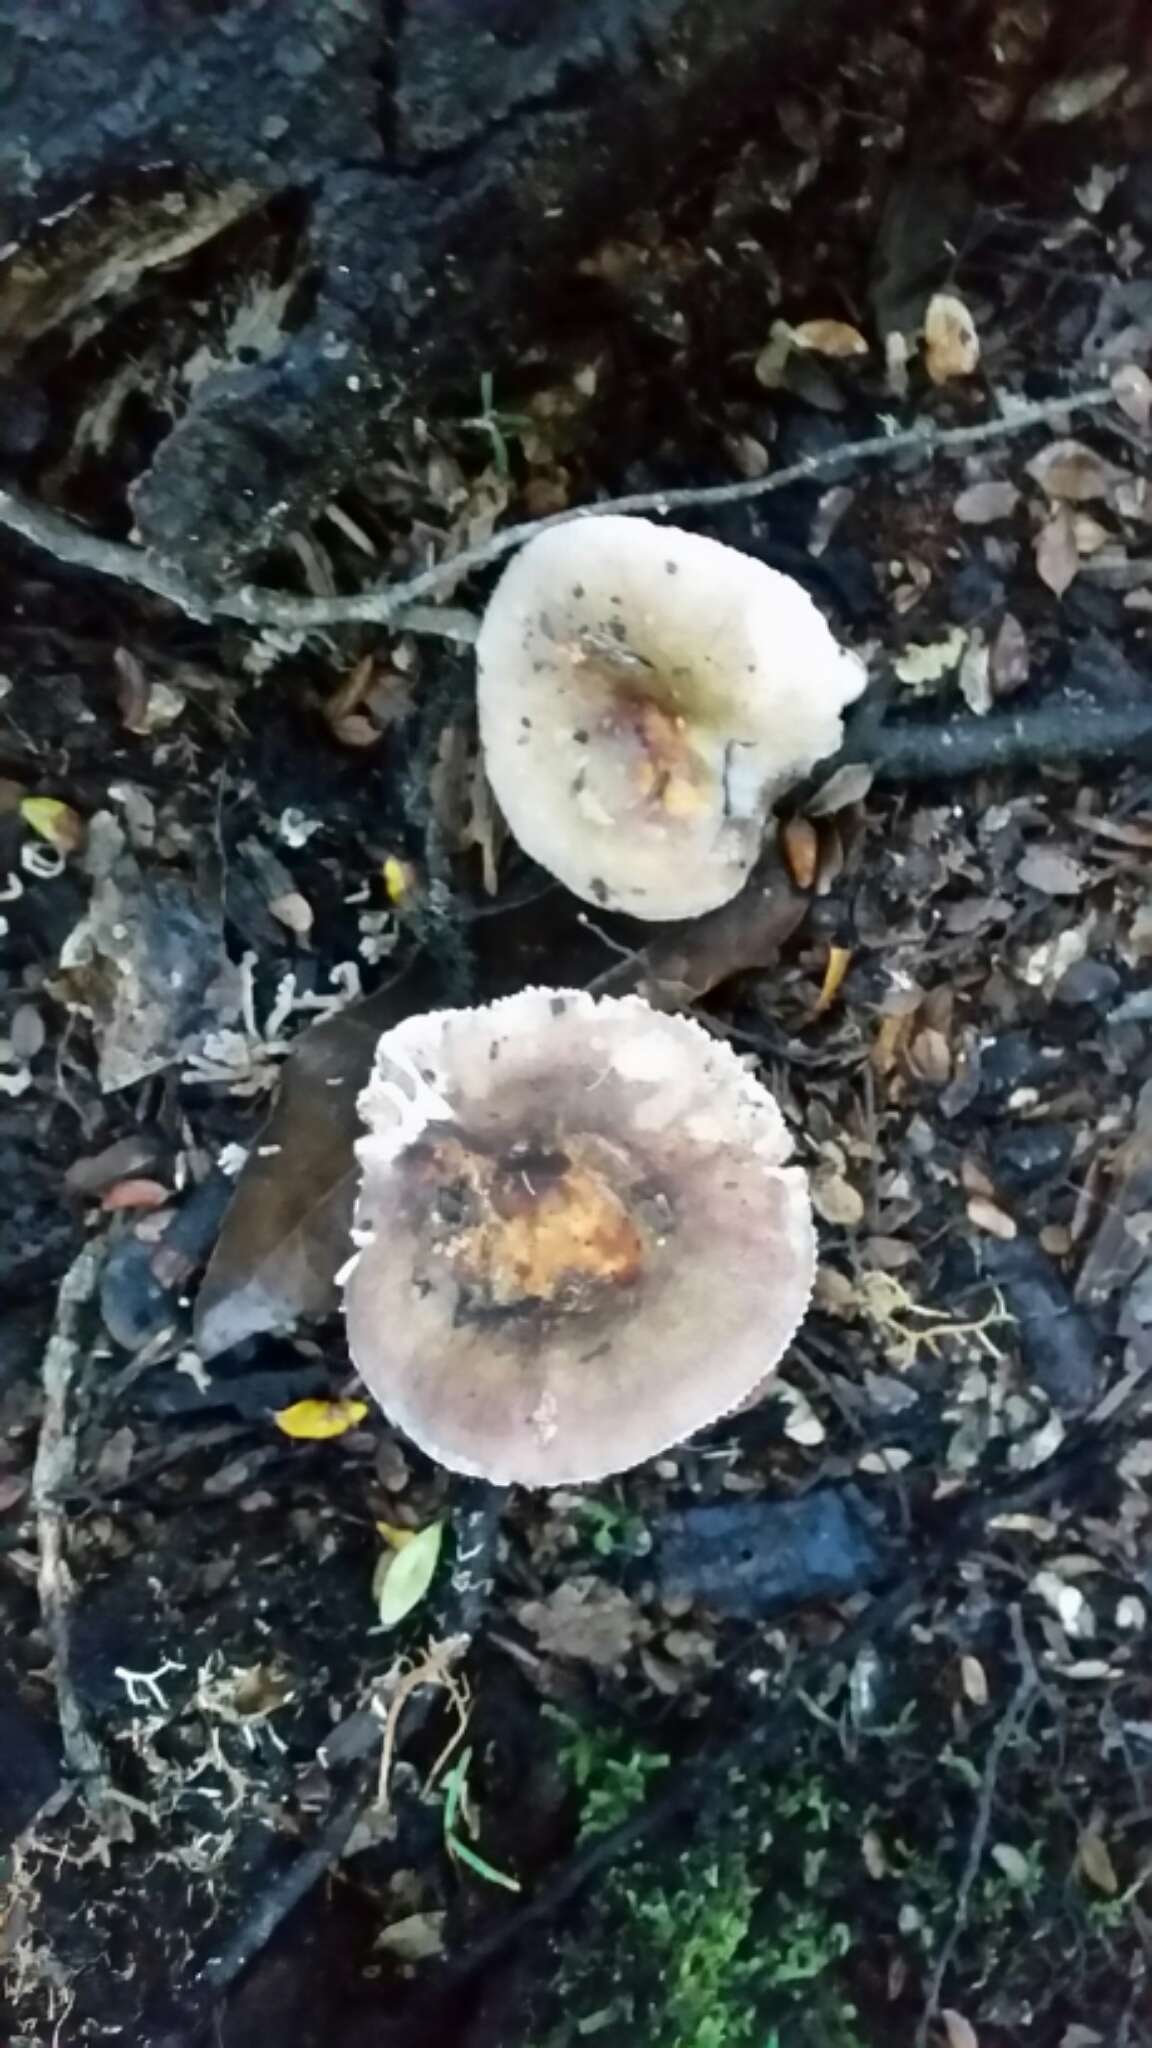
[13, 1487]
[961, 2033]
[586, 1622]
[836, 967]
[951, 343]
[1008, 663]
[985, 1215]
[1070, 98]
[415, 1939]
[1057, 556]
[287, 1230]
[829, 338]
[835, 1200]
[316, 1421]
[845, 786]
[800, 844]
[136, 1194]
[920, 665]
[293, 911]
[975, 676]
[1132, 388]
[1054, 872]
[974, 1680]
[1095, 1862]
[690, 959]
[1073, 473]
[980, 504]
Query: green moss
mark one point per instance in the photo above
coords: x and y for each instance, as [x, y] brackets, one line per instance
[718, 1945]
[612, 1775]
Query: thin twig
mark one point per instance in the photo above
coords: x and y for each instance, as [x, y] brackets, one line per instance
[476, 1527]
[389, 604]
[53, 1478]
[1015, 1713]
[290, 1884]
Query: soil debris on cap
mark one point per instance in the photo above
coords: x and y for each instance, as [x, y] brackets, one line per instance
[579, 1239]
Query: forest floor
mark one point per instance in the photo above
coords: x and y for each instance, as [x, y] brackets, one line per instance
[835, 1725]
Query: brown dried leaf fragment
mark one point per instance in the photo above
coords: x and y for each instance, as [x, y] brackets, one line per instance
[585, 1622]
[951, 343]
[983, 503]
[1057, 556]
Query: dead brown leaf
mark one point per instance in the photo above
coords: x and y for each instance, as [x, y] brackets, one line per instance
[951, 343]
[414, 1939]
[1073, 473]
[930, 1057]
[845, 786]
[136, 1194]
[586, 1622]
[982, 503]
[1054, 872]
[835, 1200]
[13, 1487]
[294, 912]
[975, 673]
[961, 2033]
[800, 844]
[687, 961]
[829, 338]
[988, 1216]
[1132, 388]
[1057, 556]
[286, 1231]
[1008, 663]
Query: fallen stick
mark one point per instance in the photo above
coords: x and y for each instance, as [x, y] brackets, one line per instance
[476, 1527]
[915, 751]
[52, 1478]
[397, 603]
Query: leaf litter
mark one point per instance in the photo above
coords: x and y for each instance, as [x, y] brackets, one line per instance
[945, 984]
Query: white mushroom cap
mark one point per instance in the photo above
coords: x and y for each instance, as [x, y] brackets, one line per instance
[579, 1242]
[645, 694]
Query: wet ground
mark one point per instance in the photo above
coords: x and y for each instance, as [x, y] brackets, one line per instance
[869, 1661]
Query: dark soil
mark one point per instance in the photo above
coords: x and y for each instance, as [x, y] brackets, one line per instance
[898, 1790]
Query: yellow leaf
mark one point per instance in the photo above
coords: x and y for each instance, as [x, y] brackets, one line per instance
[54, 821]
[393, 1535]
[320, 1419]
[839, 961]
[402, 1577]
[1096, 1863]
[399, 879]
[951, 343]
[830, 338]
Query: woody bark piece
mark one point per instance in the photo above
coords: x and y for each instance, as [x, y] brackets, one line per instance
[488, 145]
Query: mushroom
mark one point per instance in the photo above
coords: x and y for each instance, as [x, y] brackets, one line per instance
[578, 1239]
[645, 694]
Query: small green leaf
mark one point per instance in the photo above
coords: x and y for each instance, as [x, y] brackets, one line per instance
[404, 1576]
[454, 1785]
[486, 1870]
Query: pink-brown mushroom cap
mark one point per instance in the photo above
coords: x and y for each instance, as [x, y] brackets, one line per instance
[579, 1240]
[645, 694]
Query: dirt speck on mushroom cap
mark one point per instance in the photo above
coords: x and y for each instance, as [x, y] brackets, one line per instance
[644, 694]
[583, 1248]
